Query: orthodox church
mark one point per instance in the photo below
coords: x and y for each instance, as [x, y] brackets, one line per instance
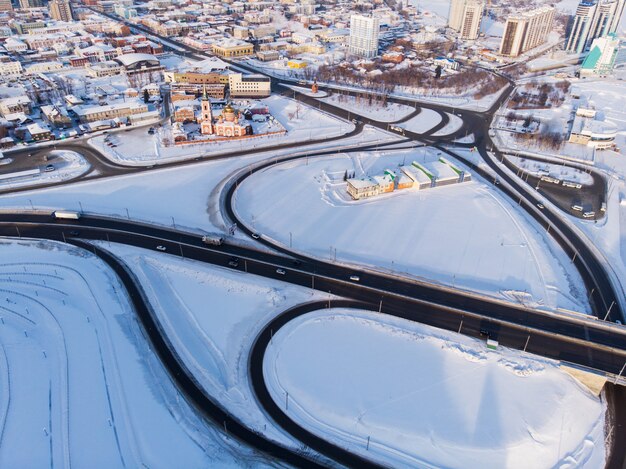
[230, 123]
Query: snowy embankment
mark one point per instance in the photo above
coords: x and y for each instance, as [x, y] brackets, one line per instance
[408, 395]
[79, 384]
[67, 165]
[423, 122]
[463, 235]
[212, 315]
[388, 112]
[307, 91]
[303, 124]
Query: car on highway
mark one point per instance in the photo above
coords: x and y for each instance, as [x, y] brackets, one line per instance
[541, 206]
[74, 233]
[234, 262]
[355, 278]
[280, 271]
[255, 235]
[161, 248]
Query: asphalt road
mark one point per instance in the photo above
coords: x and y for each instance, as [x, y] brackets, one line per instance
[589, 196]
[578, 340]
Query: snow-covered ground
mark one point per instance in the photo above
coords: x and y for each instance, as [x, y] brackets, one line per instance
[409, 395]
[464, 235]
[423, 122]
[390, 112]
[212, 316]
[454, 124]
[79, 383]
[67, 165]
[561, 172]
[303, 124]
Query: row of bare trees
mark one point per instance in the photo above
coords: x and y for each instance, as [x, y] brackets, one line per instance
[413, 76]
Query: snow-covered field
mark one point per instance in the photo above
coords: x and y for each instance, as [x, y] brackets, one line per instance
[67, 165]
[79, 383]
[390, 112]
[464, 235]
[212, 315]
[423, 122]
[428, 398]
[303, 124]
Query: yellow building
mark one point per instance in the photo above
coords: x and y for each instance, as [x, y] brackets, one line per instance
[297, 64]
[232, 48]
[197, 78]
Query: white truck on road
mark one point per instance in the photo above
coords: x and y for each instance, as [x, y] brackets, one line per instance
[66, 215]
[213, 239]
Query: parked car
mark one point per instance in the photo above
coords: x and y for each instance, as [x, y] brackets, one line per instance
[49, 168]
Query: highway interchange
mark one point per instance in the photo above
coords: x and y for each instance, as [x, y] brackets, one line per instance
[592, 344]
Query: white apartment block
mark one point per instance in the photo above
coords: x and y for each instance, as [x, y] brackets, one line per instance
[465, 17]
[526, 31]
[109, 68]
[455, 15]
[110, 111]
[10, 69]
[364, 32]
[472, 17]
[43, 67]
